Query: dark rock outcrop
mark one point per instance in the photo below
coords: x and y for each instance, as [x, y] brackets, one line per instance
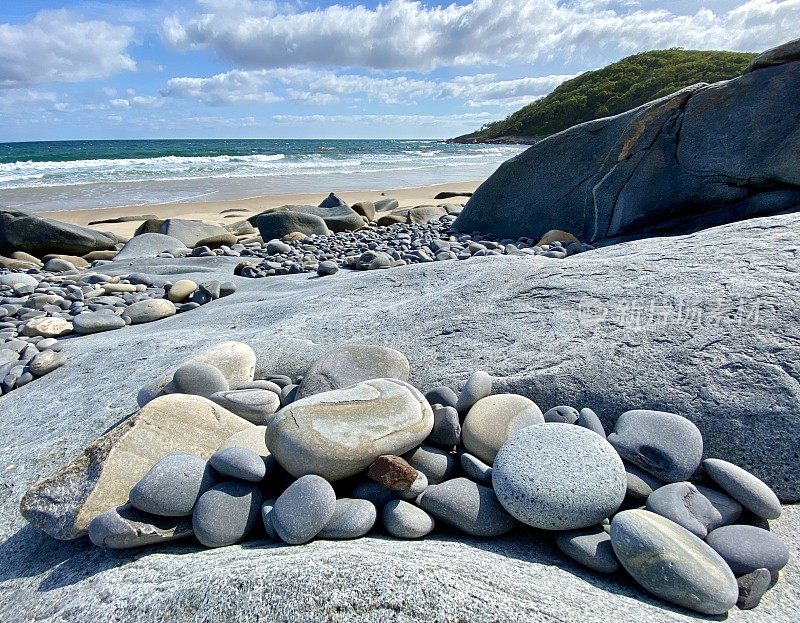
[707, 155]
[20, 231]
[337, 218]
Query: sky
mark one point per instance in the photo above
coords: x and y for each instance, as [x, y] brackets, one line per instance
[95, 69]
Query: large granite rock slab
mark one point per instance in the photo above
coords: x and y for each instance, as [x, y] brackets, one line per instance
[101, 477]
[197, 233]
[20, 231]
[707, 155]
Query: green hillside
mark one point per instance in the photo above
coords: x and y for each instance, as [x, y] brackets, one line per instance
[621, 86]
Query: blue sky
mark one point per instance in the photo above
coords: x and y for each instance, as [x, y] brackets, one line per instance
[98, 69]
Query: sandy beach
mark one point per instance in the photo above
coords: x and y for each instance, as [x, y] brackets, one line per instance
[223, 212]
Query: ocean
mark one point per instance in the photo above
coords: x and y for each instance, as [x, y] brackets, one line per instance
[71, 175]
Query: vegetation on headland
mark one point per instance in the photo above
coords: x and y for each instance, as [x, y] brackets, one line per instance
[621, 86]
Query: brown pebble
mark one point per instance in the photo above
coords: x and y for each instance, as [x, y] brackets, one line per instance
[393, 472]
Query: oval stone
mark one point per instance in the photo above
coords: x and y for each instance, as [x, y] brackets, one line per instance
[591, 547]
[672, 563]
[406, 521]
[749, 490]
[351, 519]
[226, 513]
[241, 463]
[478, 385]
[494, 419]
[87, 323]
[435, 463]
[150, 310]
[559, 477]
[467, 506]
[339, 433]
[686, 506]
[253, 404]
[199, 379]
[173, 485]
[303, 509]
[747, 548]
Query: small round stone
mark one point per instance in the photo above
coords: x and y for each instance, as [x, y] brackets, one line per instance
[326, 268]
[559, 477]
[150, 310]
[226, 513]
[591, 547]
[46, 327]
[181, 290]
[418, 486]
[639, 484]
[47, 361]
[370, 490]
[172, 486]
[239, 463]
[478, 385]
[406, 521]
[436, 464]
[494, 419]
[672, 563]
[747, 548]
[468, 506]
[685, 505]
[253, 404]
[663, 444]
[91, 322]
[589, 419]
[266, 518]
[752, 587]
[476, 469]
[561, 415]
[351, 519]
[303, 509]
[199, 379]
[749, 490]
[442, 396]
[446, 427]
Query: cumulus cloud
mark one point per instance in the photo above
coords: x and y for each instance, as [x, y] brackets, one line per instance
[486, 89]
[57, 47]
[406, 35]
[232, 87]
[380, 120]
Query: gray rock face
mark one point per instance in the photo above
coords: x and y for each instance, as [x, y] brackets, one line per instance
[336, 218]
[672, 563]
[748, 548]
[707, 155]
[558, 477]
[226, 513]
[406, 521]
[352, 518]
[279, 224]
[351, 364]
[193, 233]
[591, 547]
[338, 433]
[665, 445]
[39, 236]
[303, 509]
[172, 486]
[493, 419]
[467, 506]
[149, 245]
[747, 489]
[125, 527]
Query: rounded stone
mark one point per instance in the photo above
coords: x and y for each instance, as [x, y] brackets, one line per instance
[239, 463]
[303, 509]
[468, 506]
[492, 420]
[124, 527]
[436, 464]
[266, 519]
[47, 361]
[418, 486]
[406, 521]
[562, 415]
[640, 484]
[339, 433]
[352, 518]
[181, 290]
[446, 426]
[672, 563]
[442, 396]
[749, 490]
[253, 404]
[327, 267]
[199, 379]
[373, 491]
[590, 547]
[747, 548]
[46, 327]
[663, 444]
[172, 486]
[686, 506]
[559, 477]
[476, 469]
[226, 513]
[478, 385]
[589, 419]
[752, 587]
[87, 323]
[150, 310]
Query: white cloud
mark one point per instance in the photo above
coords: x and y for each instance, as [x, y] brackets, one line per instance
[138, 101]
[232, 87]
[56, 47]
[401, 120]
[486, 89]
[406, 35]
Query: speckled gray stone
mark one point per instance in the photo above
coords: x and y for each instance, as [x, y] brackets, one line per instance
[442, 395]
[150, 310]
[92, 322]
[226, 513]
[663, 444]
[476, 469]
[562, 414]
[752, 587]
[253, 404]
[266, 519]
[47, 361]
[493, 419]
[125, 527]
[747, 489]
[559, 477]
[589, 419]
[686, 506]
[173, 485]
[639, 484]
[406, 521]
[435, 463]
[237, 462]
[446, 427]
[478, 385]
[418, 486]
[591, 547]
[727, 509]
[467, 506]
[352, 518]
[672, 563]
[303, 509]
[200, 379]
[747, 548]
[368, 489]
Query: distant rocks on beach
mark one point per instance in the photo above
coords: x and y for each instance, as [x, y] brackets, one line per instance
[222, 457]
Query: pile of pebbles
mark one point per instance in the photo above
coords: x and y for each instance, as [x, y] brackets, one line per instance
[39, 307]
[640, 500]
[387, 247]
